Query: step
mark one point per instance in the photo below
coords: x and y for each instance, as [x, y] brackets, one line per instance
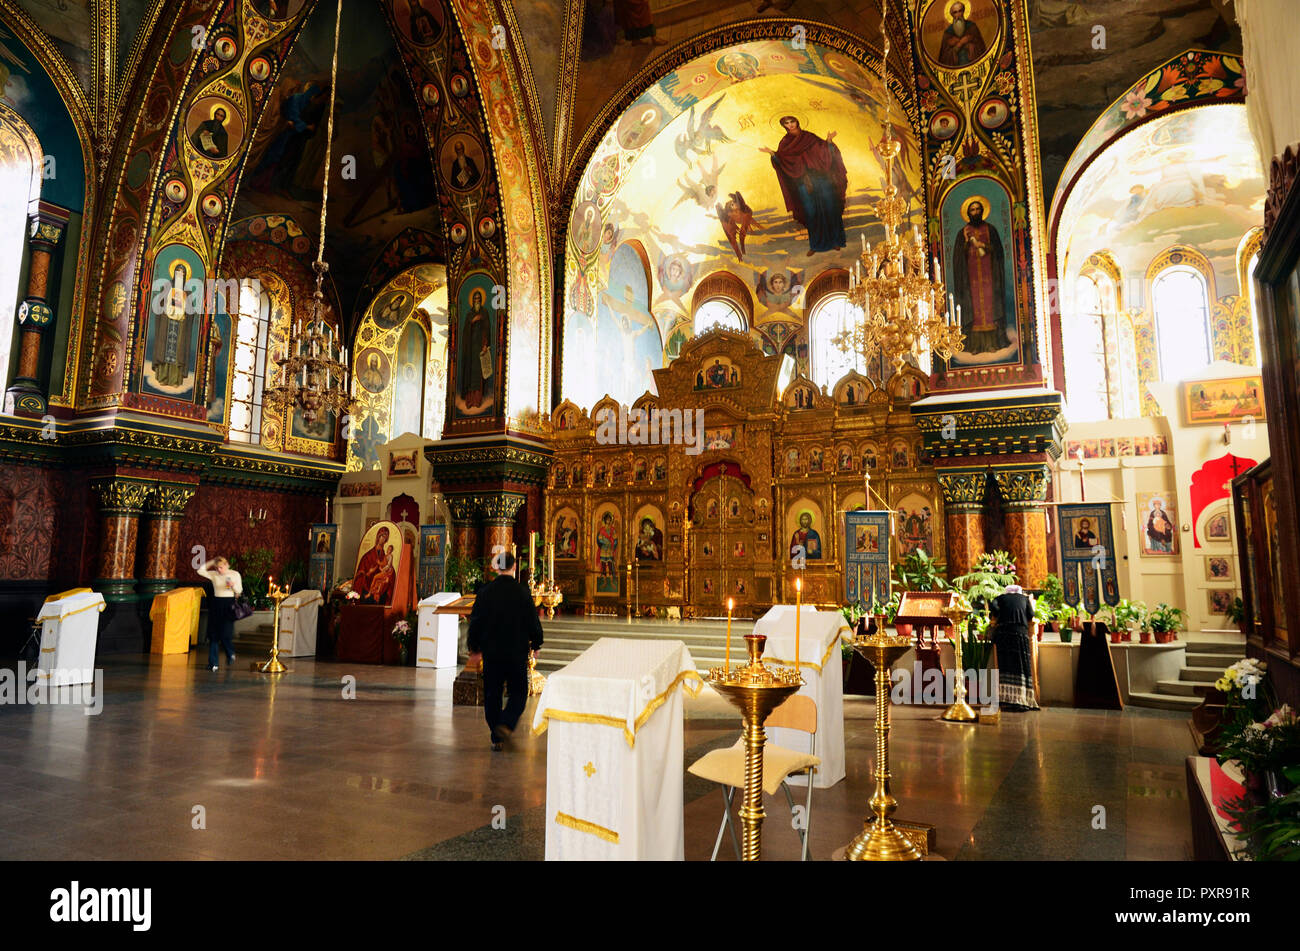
[1162, 701]
[1214, 640]
[1221, 659]
[1180, 688]
[1205, 675]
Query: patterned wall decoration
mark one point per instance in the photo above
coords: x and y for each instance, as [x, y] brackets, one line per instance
[454, 115]
[402, 340]
[175, 174]
[216, 518]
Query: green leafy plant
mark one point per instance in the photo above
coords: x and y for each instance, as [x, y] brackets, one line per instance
[992, 573]
[919, 572]
[254, 567]
[1125, 611]
[463, 573]
[1053, 594]
[294, 573]
[1236, 612]
[1165, 619]
[1271, 830]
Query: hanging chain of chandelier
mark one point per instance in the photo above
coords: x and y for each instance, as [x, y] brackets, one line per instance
[314, 377]
[903, 311]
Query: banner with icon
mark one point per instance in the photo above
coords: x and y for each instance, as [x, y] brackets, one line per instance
[866, 557]
[433, 559]
[1087, 556]
[323, 542]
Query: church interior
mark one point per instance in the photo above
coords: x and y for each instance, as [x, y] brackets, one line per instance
[785, 348]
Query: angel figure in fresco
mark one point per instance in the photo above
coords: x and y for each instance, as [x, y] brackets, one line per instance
[700, 138]
[778, 291]
[737, 221]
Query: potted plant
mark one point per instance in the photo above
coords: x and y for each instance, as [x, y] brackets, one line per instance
[463, 574]
[919, 572]
[1049, 601]
[1067, 621]
[1236, 614]
[402, 632]
[989, 578]
[1166, 622]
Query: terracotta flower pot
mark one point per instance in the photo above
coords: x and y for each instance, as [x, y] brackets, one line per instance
[904, 630]
[1126, 635]
[1116, 636]
[1144, 637]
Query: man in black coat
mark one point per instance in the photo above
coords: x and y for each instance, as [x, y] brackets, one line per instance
[504, 627]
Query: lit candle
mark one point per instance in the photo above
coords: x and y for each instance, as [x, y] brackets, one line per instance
[730, 604]
[550, 560]
[532, 553]
[864, 242]
[798, 609]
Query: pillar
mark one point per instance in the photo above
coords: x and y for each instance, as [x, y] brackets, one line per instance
[464, 519]
[35, 319]
[499, 513]
[121, 501]
[963, 505]
[166, 509]
[1024, 490]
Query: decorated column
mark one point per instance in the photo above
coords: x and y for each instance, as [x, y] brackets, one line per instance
[464, 524]
[1024, 490]
[963, 505]
[166, 509]
[499, 513]
[35, 318]
[121, 501]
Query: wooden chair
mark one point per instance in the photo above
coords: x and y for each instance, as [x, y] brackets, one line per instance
[727, 768]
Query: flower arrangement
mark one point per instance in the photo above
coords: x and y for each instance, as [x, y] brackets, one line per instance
[402, 631]
[1268, 816]
[1244, 683]
[353, 596]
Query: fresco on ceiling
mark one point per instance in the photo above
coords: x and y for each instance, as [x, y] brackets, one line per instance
[1191, 178]
[772, 179]
[620, 37]
[26, 87]
[541, 23]
[620, 338]
[400, 366]
[1071, 92]
[390, 186]
[67, 24]
[977, 264]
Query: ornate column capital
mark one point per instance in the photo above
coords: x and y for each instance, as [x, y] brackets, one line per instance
[1023, 487]
[169, 501]
[122, 496]
[963, 489]
[463, 508]
[500, 509]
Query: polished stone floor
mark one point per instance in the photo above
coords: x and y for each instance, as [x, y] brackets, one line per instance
[183, 763]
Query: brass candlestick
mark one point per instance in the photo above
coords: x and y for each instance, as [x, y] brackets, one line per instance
[756, 690]
[960, 711]
[880, 840]
[536, 681]
[273, 666]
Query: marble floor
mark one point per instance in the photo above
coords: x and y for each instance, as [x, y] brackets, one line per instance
[183, 763]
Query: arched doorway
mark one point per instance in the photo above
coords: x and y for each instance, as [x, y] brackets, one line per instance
[721, 508]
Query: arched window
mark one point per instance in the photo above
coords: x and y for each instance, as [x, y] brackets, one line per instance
[20, 186]
[1084, 335]
[830, 316]
[719, 312]
[1180, 301]
[252, 330]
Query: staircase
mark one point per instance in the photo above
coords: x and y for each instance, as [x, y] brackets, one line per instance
[1208, 653]
[567, 637]
[255, 642]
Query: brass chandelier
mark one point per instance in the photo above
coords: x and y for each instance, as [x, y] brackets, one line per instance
[314, 377]
[903, 310]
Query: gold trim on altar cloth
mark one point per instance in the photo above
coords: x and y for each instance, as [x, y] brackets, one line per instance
[582, 825]
[808, 664]
[568, 716]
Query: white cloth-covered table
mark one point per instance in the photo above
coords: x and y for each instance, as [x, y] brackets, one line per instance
[438, 635]
[69, 633]
[298, 614]
[823, 673]
[614, 756]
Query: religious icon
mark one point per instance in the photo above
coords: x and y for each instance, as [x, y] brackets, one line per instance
[962, 41]
[1220, 599]
[845, 460]
[607, 554]
[807, 536]
[900, 456]
[376, 573]
[585, 228]
[778, 291]
[1218, 568]
[374, 370]
[323, 543]
[660, 468]
[602, 475]
[978, 278]
[734, 507]
[211, 135]
[814, 460]
[432, 545]
[868, 539]
[403, 463]
[1084, 536]
[639, 471]
[1224, 401]
[420, 21]
[650, 541]
[791, 461]
[711, 509]
[718, 375]
[1158, 525]
[477, 368]
[1216, 528]
[738, 550]
[566, 536]
[915, 526]
[172, 329]
[813, 183]
[391, 309]
[868, 458]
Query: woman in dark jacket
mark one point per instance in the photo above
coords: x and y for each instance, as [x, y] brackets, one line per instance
[1013, 613]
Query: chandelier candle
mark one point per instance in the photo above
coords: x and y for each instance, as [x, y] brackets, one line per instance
[730, 604]
[798, 609]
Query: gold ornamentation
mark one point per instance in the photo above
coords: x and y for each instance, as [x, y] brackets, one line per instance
[589, 769]
[122, 496]
[169, 501]
[1023, 487]
[963, 487]
[582, 825]
[956, 613]
[277, 592]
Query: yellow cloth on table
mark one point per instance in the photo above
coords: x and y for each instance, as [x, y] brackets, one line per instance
[175, 616]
